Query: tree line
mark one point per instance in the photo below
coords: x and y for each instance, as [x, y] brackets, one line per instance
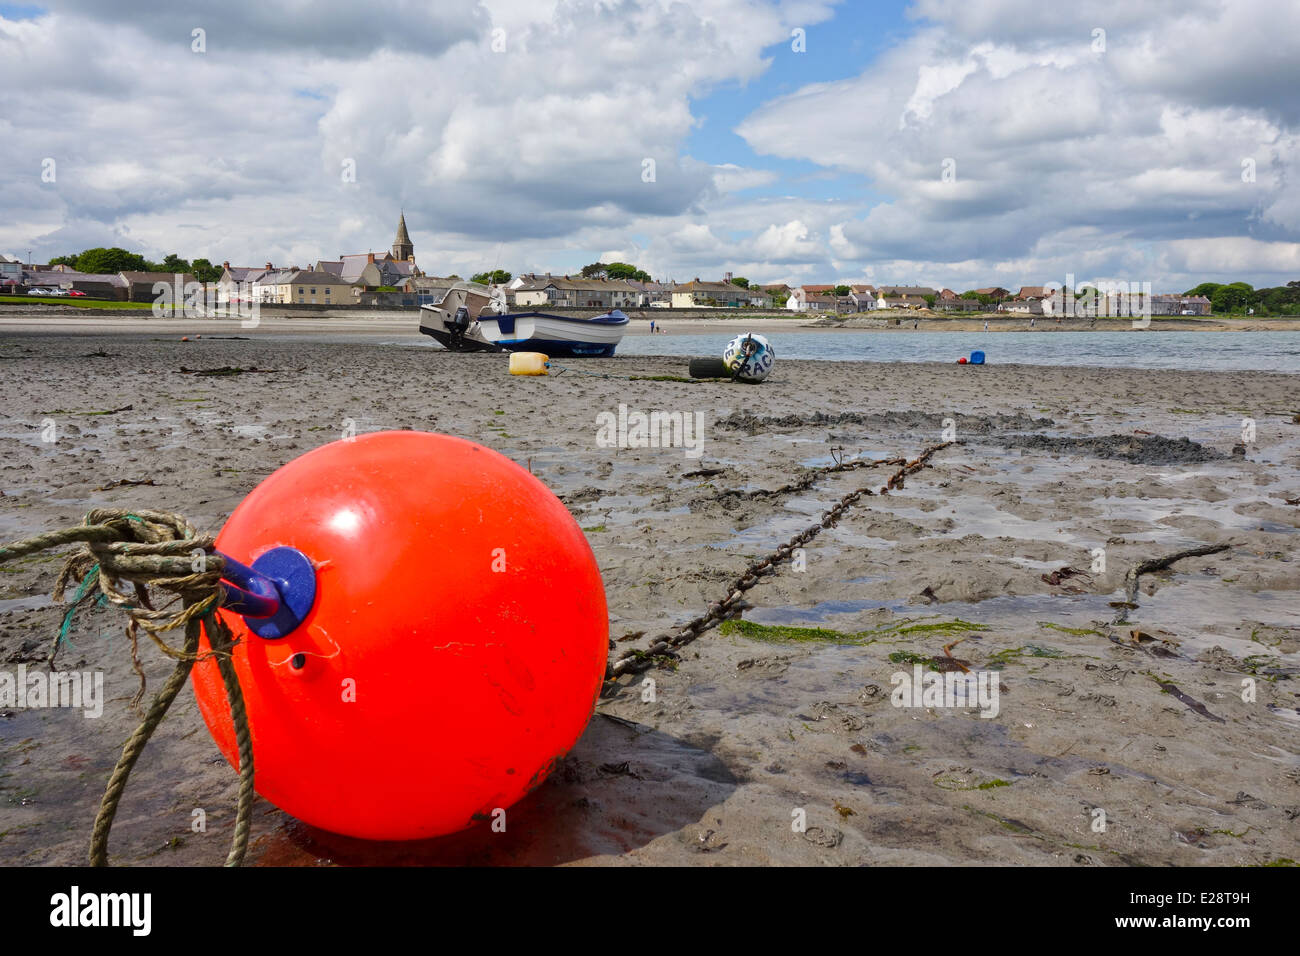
[107, 261]
[1241, 297]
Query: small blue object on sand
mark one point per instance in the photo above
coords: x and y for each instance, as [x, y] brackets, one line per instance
[977, 358]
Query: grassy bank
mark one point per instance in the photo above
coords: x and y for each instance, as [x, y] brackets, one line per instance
[75, 301]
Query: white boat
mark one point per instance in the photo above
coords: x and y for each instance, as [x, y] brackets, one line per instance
[473, 318]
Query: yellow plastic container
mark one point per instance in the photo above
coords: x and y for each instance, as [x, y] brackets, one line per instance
[528, 363]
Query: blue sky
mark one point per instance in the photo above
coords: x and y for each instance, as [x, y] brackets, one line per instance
[840, 48]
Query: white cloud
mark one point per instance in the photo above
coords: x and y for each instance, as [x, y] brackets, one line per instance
[997, 132]
[542, 141]
[1123, 163]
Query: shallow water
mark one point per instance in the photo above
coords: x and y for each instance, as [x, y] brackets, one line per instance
[1255, 351]
[1273, 351]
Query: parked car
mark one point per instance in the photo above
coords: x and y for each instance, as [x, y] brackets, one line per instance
[58, 292]
[77, 292]
[38, 291]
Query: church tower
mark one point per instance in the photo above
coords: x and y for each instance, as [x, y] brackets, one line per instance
[402, 247]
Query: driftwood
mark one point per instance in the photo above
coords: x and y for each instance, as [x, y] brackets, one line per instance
[1156, 564]
[1191, 702]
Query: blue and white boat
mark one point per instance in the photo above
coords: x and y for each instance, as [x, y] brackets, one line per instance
[466, 320]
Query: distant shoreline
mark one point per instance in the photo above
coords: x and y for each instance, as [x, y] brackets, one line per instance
[380, 322]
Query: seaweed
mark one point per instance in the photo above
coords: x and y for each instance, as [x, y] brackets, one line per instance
[783, 634]
[957, 625]
[1002, 658]
[1075, 631]
[787, 634]
[907, 657]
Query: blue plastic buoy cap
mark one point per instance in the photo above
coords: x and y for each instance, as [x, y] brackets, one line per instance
[295, 579]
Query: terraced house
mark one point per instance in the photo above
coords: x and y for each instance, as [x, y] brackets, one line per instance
[907, 297]
[313, 287]
[576, 293]
[696, 294]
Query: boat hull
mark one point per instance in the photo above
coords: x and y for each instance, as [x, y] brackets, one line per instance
[459, 343]
[555, 335]
[559, 348]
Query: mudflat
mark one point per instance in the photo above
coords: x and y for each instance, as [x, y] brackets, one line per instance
[1163, 733]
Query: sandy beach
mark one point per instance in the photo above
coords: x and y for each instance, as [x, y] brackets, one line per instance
[1170, 739]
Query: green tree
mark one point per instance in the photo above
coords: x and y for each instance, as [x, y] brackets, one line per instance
[1280, 300]
[614, 270]
[101, 261]
[205, 271]
[930, 300]
[173, 263]
[64, 261]
[841, 290]
[495, 277]
[1206, 289]
[740, 281]
[1233, 297]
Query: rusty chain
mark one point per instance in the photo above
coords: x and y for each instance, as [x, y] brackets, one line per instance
[813, 475]
[634, 661]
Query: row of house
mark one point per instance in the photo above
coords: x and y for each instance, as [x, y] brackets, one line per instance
[393, 278]
[1049, 301]
[533, 291]
[1030, 300]
[348, 280]
[124, 286]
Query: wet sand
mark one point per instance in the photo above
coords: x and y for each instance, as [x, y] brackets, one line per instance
[746, 730]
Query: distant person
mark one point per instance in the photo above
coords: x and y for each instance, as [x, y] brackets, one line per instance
[1032, 320]
[986, 325]
[652, 326]
[916, 323]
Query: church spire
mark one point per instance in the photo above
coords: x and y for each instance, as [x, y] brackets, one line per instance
[403, 248]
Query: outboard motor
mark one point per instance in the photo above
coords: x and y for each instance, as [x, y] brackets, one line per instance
[458, 324]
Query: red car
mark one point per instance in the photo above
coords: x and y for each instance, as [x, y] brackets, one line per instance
[76, 292]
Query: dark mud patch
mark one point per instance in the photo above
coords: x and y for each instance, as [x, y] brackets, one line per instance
[1138, 449]
[884, 421]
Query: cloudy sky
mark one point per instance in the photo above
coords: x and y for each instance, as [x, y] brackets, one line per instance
[955, 143]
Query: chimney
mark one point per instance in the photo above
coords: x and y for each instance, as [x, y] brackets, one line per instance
[370, 257]
[225, 265]
[727, 279]
[269, 267]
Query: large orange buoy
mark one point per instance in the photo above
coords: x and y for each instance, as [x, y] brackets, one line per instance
[448, 652]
